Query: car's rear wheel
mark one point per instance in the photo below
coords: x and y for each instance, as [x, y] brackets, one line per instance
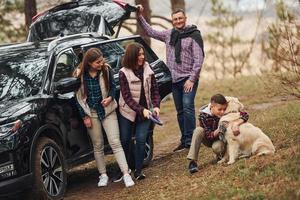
[50, 178]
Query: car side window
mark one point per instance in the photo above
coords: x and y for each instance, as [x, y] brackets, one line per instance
[65, 65]
[113, 53]
[150, 55]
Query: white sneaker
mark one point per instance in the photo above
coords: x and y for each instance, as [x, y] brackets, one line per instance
[103, 180]
[128, 180]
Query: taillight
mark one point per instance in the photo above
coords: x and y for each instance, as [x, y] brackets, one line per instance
[36, 16]
[120, 3]
[125, 6]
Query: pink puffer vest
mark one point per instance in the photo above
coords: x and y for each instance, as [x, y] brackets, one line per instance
[135, 90]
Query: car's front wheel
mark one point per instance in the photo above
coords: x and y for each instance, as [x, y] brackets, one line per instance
[50, 178]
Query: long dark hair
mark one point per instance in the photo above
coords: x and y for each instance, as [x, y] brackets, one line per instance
[90, 56]
[130, 58]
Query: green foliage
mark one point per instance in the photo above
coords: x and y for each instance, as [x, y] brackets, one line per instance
[9, 32]
[12, 5]
[226, 52]
[283, 49]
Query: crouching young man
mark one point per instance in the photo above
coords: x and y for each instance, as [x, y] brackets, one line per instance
[208, 132]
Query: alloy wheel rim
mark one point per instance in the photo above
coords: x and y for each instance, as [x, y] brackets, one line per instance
[52, 171]
[147, 150]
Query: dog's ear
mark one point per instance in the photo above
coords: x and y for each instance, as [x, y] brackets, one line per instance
[240, 105]
[233, 104]
[230, 107]
[228, 98]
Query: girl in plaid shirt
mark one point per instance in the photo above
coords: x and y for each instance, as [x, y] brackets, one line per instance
[96, 104]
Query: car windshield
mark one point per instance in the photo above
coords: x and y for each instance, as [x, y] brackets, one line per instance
[67, 25]
[21, 73]
[85, 18]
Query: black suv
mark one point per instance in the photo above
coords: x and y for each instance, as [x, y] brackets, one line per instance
[41, 132]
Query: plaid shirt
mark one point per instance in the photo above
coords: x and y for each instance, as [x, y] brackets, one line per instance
[137, 106]
[210, 123]
[94, 95]
[191, 54]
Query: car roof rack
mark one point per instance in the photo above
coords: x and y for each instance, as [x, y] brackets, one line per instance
[59, 39]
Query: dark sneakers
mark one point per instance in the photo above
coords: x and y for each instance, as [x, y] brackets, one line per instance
[118, 177]
[139, 176]
[179, 148]
[193, 167]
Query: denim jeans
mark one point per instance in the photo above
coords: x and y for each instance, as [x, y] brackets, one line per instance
[185, 107]
[140, 128]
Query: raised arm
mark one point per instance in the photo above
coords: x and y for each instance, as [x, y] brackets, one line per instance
[159, 35]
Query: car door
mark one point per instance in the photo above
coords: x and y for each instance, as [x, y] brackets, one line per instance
[78, 143]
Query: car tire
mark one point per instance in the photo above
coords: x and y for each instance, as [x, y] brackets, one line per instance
[50, 177]
[148, 151]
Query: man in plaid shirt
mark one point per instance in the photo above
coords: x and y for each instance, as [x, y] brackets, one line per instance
[184, 52]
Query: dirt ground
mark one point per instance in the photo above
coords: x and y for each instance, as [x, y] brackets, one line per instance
[82, 182]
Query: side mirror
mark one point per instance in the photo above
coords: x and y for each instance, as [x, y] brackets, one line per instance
[66, 85]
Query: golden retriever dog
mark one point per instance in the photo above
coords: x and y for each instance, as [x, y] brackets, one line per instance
[250, 141]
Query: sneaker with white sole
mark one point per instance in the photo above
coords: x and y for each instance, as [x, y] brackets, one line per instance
[179, 148]
[128, 180]
[119, 176]
[103, 180]
[193, 167]
[139, 176]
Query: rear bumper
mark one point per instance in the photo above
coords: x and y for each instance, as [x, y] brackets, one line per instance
[15, 185]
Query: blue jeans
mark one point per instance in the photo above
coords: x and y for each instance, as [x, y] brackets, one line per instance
[127, 129]
[185, 107]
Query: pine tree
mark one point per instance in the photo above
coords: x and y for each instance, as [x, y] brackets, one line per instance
[10, 33]
[226, 52]
[283, 48]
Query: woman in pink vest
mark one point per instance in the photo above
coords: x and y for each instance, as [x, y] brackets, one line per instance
[139, 98]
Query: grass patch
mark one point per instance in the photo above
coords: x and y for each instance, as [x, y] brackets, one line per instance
[255, 178]
[274, 177]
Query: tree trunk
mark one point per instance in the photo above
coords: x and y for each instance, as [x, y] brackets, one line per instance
[176, 4]
[30, 11]
[147, 16]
